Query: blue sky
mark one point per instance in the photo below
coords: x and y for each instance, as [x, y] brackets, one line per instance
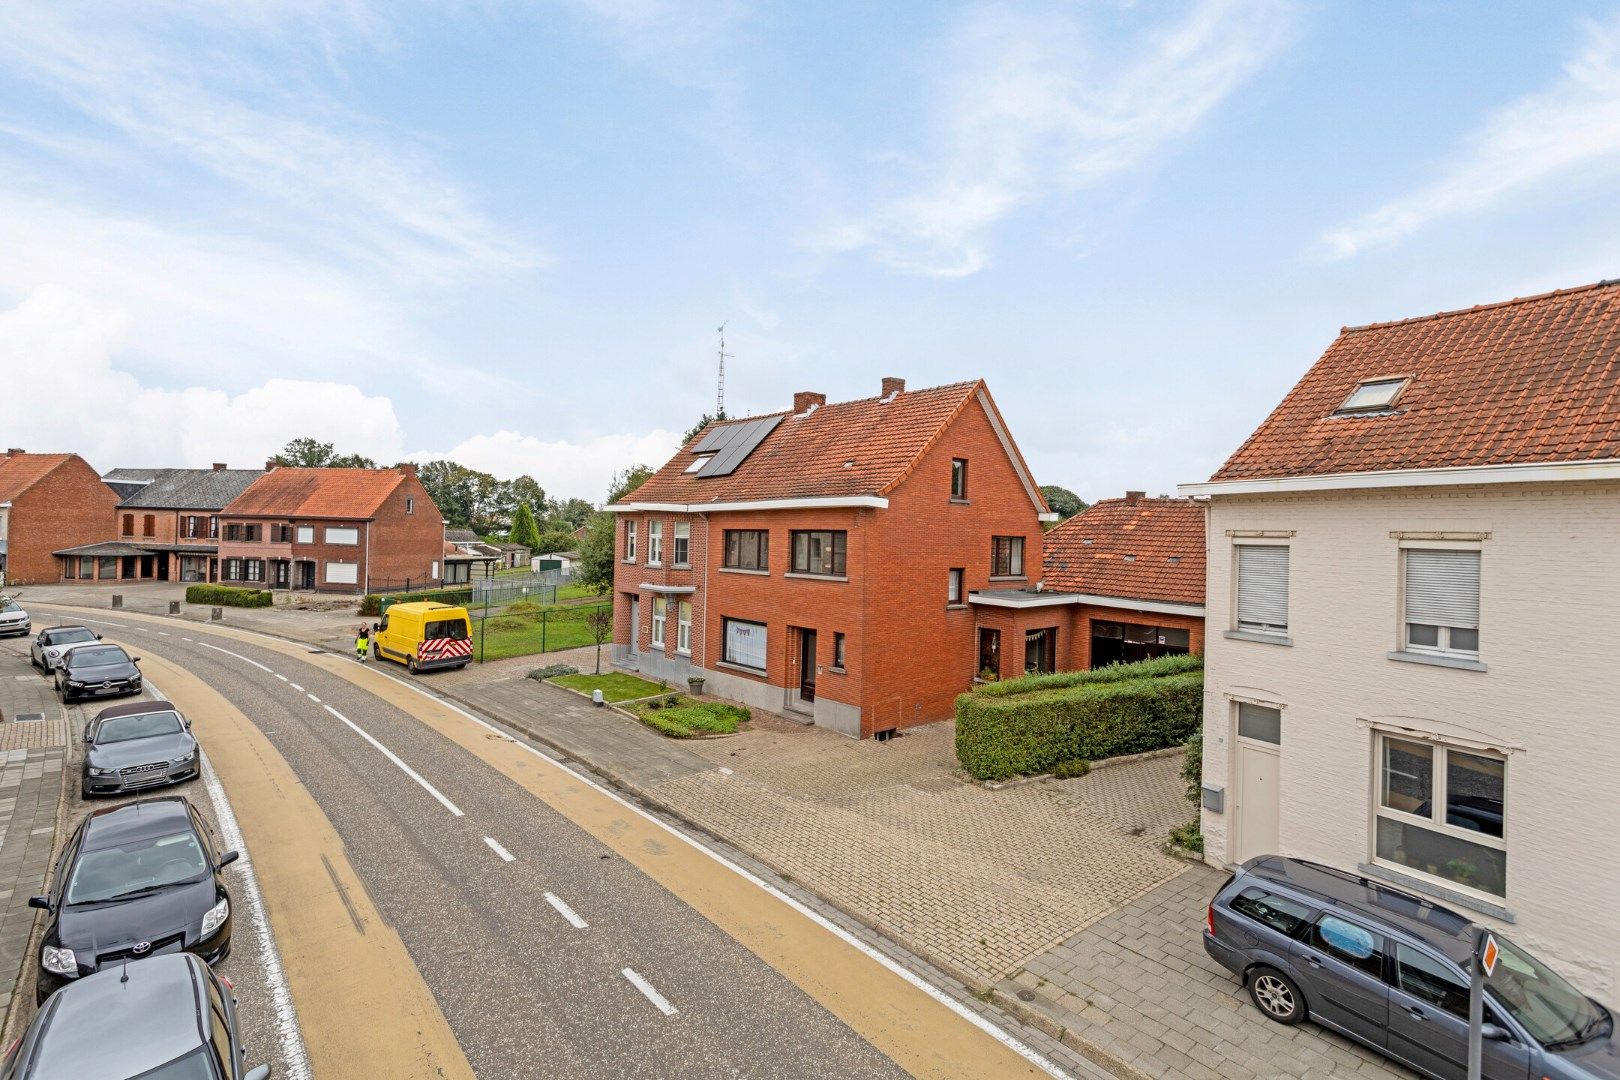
[506, 232]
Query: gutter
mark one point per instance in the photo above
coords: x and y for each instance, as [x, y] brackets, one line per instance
[1519, 473]
[870, 502]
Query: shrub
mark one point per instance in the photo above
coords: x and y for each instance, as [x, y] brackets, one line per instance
[522, 607]
[228, 596]
[1068, 770]
[371, 603]
[681, 718]
[502, 623]
[1126, 709]
[1192, 768]
[551, 671]
[1188, 837]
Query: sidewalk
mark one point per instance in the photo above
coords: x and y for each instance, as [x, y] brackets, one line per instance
[31, 758]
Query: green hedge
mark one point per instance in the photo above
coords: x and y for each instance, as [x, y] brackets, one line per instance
[227, 596]
[1030, 725]
[372, 603]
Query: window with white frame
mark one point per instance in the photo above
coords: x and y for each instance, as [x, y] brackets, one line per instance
[1006, 556]
[1441, 812]
[306, 534]
[744, 643]
[683, 627]
[338, 534]
[953, 587]
[338, 573]
[1441, 601]
[683, 543]
[660, 618]
[1262, 588]
[655, 542]
[629, 541]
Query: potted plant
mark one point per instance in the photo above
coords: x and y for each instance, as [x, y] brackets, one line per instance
[989, 675]
[694, 684]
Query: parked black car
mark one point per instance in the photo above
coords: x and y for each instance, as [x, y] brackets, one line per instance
[139, 744]
[97, 671]
[164, 1018]
[1390, 969]
[137, 880]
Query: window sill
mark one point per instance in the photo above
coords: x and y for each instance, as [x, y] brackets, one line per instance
[837, 671]
[742, 570]
[1437, 660]
[1440, 892]
[684, 652]
[1255, 635]
[628, 562]
[817, 577]
[1009, 577]
[958, 607]
[680, 566]
[960, 502]
[655, 565]
[758, 673]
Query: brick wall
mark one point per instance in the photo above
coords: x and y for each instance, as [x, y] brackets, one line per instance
[407, 545]
[67, 507]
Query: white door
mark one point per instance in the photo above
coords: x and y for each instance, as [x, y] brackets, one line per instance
[635, 627]
[1258, 769]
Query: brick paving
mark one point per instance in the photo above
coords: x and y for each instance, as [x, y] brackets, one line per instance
[1136, 990]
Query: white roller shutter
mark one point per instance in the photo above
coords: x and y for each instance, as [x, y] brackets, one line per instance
[342, 573]
[1262, 587]
[1442, 588]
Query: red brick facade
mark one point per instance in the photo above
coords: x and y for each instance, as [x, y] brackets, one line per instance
[57, 501]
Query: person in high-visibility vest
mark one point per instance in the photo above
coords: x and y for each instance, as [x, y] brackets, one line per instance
[362, 645]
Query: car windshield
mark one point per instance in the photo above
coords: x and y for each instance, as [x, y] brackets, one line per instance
[141, 726]
[9, 605]
[68, 637]
[197, 1065]
[454, 629]
[1538, 997]
[139, 866]
[100, 656]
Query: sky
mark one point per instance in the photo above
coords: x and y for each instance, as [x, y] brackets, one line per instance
[506, 233]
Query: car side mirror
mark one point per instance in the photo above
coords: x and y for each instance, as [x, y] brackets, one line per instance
[261, 1073]
[98, 637]
[134, 659]
[227, 858]
[1494, 1033]
[41, 902]
[376, 626]
[87, 733]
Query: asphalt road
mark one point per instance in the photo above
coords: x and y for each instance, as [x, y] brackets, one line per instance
[547, 953]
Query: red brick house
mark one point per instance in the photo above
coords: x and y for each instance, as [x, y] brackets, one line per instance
[819, 562]
[332, 530]
[165, 528]
[1122, 581]
[46, 501]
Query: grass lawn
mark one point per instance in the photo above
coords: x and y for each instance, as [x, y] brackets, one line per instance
[615, 685]
[578, 592]
[525, 640]
[689, 718]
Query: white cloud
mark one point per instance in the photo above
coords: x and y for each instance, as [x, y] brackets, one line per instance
[564, 469]
[1568, 132]
[1033, 106]
[64, 393]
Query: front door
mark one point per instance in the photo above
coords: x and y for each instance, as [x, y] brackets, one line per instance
[807, 665]
[635, 627]
[306, 575]
[1257, 768]
[283, 573]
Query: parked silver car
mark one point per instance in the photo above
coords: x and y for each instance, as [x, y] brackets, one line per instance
[138, 745]
[14, 620]
[53, 642]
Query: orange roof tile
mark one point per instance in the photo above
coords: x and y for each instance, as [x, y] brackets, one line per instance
[316, 493]
[19, 472]
[1149, 549]
[849, 448]
[1531, 380]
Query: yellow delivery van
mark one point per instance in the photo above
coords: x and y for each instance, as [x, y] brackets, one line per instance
[424, 636]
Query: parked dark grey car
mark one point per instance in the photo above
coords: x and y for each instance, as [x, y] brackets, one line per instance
[142, 879]
[136, 745]
[1389, 969]
[97, 671]
[163, 1018]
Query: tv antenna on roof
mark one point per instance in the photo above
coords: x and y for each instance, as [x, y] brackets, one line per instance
[720, 392]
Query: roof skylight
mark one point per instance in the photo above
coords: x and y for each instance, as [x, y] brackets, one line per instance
[698, 462]
[1372, 395]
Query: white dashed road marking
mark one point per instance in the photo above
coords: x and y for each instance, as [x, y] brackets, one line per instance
[315, 699]
[295, 686]
[239, 656]
[567, 912]
[495, 846]
[651, 992]
[395, 758]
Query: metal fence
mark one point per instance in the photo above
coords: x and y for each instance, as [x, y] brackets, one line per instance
[541, 588]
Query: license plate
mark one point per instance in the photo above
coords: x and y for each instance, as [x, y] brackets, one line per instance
[107, 690]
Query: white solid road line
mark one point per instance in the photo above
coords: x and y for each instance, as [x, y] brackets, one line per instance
[495, 846]
[397, 760]
[281, 1002]
[567, 912]
[650, 991]
[238, 655]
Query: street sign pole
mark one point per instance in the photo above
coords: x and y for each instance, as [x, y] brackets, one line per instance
[1485, 953]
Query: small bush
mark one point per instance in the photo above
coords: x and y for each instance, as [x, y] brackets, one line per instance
[1068, 770]
[550, 671]
[1188, 837]
[522, 607]
[680, 718]
[1192, 768]
[1142, 669]
[371, 603]
[228, 596]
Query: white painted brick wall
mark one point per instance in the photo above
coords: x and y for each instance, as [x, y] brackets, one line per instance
[1550, 635]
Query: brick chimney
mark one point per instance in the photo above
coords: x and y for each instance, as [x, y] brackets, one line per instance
[407, 467]
[893, 387]
[219, 466]
[270, 464]
[15, 450]
[805, 400]
[1134, 497]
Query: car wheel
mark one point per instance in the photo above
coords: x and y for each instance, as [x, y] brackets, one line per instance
[1276, 995]
[410, 664]
[84, 792]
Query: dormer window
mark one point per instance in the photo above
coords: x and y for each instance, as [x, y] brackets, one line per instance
[1372, 395]
[699, 462]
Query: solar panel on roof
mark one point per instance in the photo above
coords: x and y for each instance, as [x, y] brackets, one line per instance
[735, 450]
[719, 438]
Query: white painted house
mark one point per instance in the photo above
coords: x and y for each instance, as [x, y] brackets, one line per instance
[1414, 621]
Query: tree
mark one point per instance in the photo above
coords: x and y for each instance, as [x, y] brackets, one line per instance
[307, 453]
[599, 621]
[1064, 503]
[596, 553]
[555, 540]
[627, 480]
[524, 530]
[526, 490]
[701, 424]
[449, 485]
